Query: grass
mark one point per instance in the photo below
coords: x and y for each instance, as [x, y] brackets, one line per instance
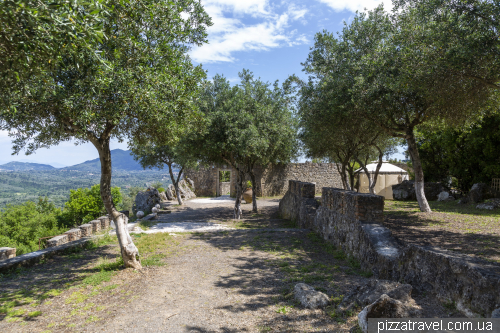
[460, 228]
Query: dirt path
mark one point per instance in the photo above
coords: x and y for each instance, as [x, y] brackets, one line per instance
[225, 281]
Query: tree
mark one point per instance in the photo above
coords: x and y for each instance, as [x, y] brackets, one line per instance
[248, 125]
[330, 122]
[146, 85]
[33, 33]
[153, 156]
[85, 204]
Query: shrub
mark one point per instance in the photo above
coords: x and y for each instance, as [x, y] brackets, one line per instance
[22, 225]
[85, 204]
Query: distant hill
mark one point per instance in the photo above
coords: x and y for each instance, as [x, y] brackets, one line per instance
[121, 160]
[23, 166]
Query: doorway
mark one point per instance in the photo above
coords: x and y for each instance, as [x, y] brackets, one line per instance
[224, 182]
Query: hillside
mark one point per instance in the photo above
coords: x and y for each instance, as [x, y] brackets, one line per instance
[121, 160]
[23, 166]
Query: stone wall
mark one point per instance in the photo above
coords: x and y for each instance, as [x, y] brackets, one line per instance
[353, 221]
[7, 253]
[225, 188]
[272, 181]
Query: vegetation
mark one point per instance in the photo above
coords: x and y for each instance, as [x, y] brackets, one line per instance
[22, 225]
[248, 125]
[144, 85]
[467, 154]
[19, 187]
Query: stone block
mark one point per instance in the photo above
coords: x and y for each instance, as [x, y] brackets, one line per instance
[86, 230]
[58, 240]
[96, 225]
[308, 190]
[7, 253]
[104, 222]
[74, 234]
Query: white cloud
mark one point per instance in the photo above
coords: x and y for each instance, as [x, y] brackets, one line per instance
[229, 34]
[354, 5]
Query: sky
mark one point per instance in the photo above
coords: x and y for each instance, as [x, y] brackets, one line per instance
[270, 38]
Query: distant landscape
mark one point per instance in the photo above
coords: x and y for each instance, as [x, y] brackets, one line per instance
[21, 182]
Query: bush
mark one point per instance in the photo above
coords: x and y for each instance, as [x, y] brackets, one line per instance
[22, 225]
[85, 204]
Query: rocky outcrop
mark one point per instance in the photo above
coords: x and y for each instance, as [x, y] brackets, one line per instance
[383, 307]
[478, 193]
[489, 204]
[145, 200]
[406, 191]
[184, 189]
[163, 196]
[309, 297]
[445, 196]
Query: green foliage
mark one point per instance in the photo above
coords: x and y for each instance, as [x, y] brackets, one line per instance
[22, 225]
[224, 176]
[156, 184]
[85, 204]
[468, 154]
[248, 184]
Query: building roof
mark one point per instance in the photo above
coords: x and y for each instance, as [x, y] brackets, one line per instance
[385, 168]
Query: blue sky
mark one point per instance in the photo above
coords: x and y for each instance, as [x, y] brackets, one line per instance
[270, 38]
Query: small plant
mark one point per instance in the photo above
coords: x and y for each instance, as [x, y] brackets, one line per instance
[248, 184]
[284, 309]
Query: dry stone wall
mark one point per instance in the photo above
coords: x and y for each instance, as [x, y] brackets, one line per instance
[272, 181]
[353, 221]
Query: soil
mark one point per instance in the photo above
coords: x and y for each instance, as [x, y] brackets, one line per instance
[225, 281]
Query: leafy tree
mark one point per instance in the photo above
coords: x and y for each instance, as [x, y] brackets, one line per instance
[22, 225]
[331, 125]
[33, 33]
[248, 125]
[153, 156]
[469, 153]
[85, 204]
[146, 85]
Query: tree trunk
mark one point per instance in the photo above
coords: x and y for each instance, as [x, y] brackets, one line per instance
[176, 183]
[239, 187]
[419, 173]
[254, 192]
[129, 251]
[343, 176]
[372, 181]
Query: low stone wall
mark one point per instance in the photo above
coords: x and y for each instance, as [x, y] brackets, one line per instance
[353, 221]
[7, 253]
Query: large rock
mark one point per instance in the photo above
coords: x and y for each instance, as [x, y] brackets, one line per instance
[169, 193]
[383, 307]
[184, 189]
[309, 297]
[163, 196]
[406, 191]
[489, 204]
[445, 196]
[478, 193]
[146, 200]
[191, 183]
[367, 294]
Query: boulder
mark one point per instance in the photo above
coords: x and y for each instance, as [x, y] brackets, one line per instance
[383, 307]
[445, 196]
[489, 204]
[191, 183]
[478, 193]
[367, 294]
[495, 313]
[406, 191]
[309, 297]
[169, 194]
[163, 196]
[145, 200]
[140, 214]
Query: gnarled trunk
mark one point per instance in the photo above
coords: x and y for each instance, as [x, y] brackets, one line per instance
[129, 251]
[176, 182]
[419, 172]
[254, 192]
[239, 191]
[372, 181]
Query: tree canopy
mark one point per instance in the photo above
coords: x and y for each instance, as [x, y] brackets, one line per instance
[145, 86]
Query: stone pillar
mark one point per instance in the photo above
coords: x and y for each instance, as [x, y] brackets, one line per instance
[105, 221]
[58, 240]
[74, 234]
[7, 253]
[96, 225]
[86, 230]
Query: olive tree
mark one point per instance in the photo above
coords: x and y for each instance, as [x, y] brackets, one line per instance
[248, 125]
[151, 156]
[145, 84]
